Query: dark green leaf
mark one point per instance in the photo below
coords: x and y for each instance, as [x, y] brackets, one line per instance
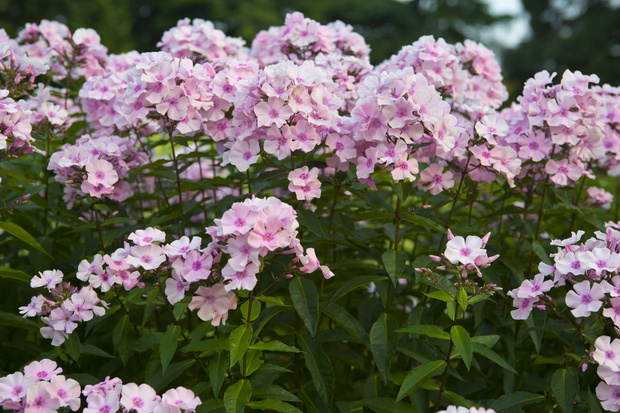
[146, 342]
[168, 346]
[217, 371]
[383, 343]
[309, 220]
[120, 331]
[306, 301]
[73, 346]
[13, 320]
[430, 331]
[461, 340]
[353, 284]
[565, 386]
[239, 341]
[272, 391]
[275, 405]
[237, 396]
[394, 262]
[12, 274]
[514, 400]
[20, 233]
[419, 376]
[274, 345]
[319, 366]
[424, 222]
[491, 355]
[94, 351]
[347, 321]
[210, 344]
[159, 380]
[387, 405]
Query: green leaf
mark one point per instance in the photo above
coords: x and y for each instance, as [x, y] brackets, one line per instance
[402, 189]
[272, 391]
[274, 345]
[511, 401]
[383, 343]
[430, 331]
[306, 301]
[565, 386]
[146, 342]
[73, 346]
[217, 371]
[255, 310]
[347, 321]
[461, 340]
[20, 233]
[491, 355]
[594, 405]
[239, 341]
[440, 295]
[210, 344]
[319, 366]
[461, 297]
[168, 346]
[94, 351]
[353, 284]
[17, 275]
[179, 309]
[394, 262]
[419, 376]
[13, 320]
[309, 220]
[387, 405]
[424, 222]
[276, 405]
[237, 396]
[120, 331]
[159, 380]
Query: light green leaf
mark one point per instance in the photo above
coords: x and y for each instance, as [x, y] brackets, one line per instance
[440, 295]
[274, 345]
[255, 310]
[565, 386]
[239, 341]
[419, 376]
[394, 262]
[168, 346]
[383, 343]
[461, 297]
[306, 301]
[20, 233]
[237, 396]
[73, 346]
[461, 340]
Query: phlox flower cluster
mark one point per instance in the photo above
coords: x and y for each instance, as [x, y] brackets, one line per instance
[607, 355]
[174, 90]
[287, 107]
[49, 114]
[305, 183]
[17, 70]
[78, 54]
[599, 197]
[201, 42]
[96, 166]
[468, 74]
[302, 39]
[557, 130]
[590, 268]
[42, 389]
[15, 127]
[465, 254]
[66, 307]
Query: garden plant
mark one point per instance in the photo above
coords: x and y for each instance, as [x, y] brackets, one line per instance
[285, 227]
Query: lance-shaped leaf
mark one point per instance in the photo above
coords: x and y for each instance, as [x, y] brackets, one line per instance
[217, 371]
[383, 343]
[20, 233]
[511, 401]
[309, 220]
[419, 376]
[168, 346]
[461, 340]
[239, 341]
[320, 368]
[394, 262]
[306, 301]
[565, 386]
[237, 396]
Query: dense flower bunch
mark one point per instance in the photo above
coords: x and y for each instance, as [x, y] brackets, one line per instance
[201, 42]
[287, 107]
[174, 90]
[97, 166]
[67, 307]
[465, 254]
[302, 39]
[41, 388]
[15, 127]
[17, 70]
[466, 73]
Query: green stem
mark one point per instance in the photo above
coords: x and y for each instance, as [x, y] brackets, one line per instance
[454, 200]
[178, 176]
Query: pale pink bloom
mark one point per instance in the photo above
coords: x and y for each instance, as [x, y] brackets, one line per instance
[101, 172]
[366, 164]
[102, 402]
[14, 386]
[614, 311]
[598, 196]
[490, 127]
[562, 171]
[523, 307]
[182, 398]
[570, 263]
[95, 190]
[63, 319]
[211, 301]
[609, 396]
[269, 234]
[142, 399]
[574, 238]
[310, 263]
[405, 168]
[610, 373]
[196, 266]
[607, 352]
[535, 288]
[308, 191]
[34, 308]
[238, 220]
[38, 400]
[147, 236]
[182, 246]
[58, 336]
[275, 110]
[464, 251]
[601, 259]
[302, 136]
[583, 300]
[437, 179]
[48, 279]
[67, 391]
[243, 154]
[534, 146]
[240, 280]
[148, 257]
[42, 370]
[86, 269]
[175, 288]
[241, 252]
[612, 290]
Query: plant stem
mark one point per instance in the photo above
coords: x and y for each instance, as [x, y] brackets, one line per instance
[178, 176]
[456, 197]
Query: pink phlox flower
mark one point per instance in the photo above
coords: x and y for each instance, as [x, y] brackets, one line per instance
[96, 191]
[609, 396]
[405, 168]
[240, 280]
[212, 301]
[14, 386]
[58, 336]
[241, 252]
[436, 178]
[310, 263]
[612, 290]
[196, 266]
[142, 399]
[101, 172]
[269, 235]
[48, 279]
[243, 154]
[301, 176]
[598, 196]
[302, 136]
[570, 263]
[614, 312]
[42, 370]
[305, 183]
[601, 259]
[175, 288]
[535, 288]
[147, 236]
[182, 398]
[102, 402]
[103, 280]
[86, 269]
[464, 251]
[64, 319]
[490, 127]
[562, 171]
[148, 257]
[609, 373]
[67, 391]
[523, 306]
[274, 111]
[584, 299]
[115, 265]
[35, 307]
[238, 220]
[182, 246]
[574, 238]
[607, 352]
[366, 164]
[534, 146]
[38, 400]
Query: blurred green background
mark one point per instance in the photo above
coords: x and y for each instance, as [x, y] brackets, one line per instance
[577, 34]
